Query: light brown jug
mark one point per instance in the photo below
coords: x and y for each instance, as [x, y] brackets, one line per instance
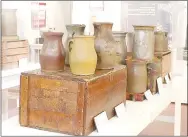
[137, 76]
[144, 40]
[121, 48]
[161, 41]
[82, 55]
[154, 71]
[52, 55]
[73, 30]
[105, 45]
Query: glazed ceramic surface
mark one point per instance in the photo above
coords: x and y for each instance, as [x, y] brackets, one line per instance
[82, 55]
[161, 41]
[129, 41]
[144, 41]
[105, 45]
[154, 71]
[52, 55]
[137, 76]
[73, 30]
[121, 49]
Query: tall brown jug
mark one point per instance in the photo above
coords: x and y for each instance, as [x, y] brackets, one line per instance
[52, 56]
[105, 45]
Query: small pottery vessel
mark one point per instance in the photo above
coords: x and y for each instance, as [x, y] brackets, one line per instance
[105, 45]
[136, 76]
[161, 41]
[144, 41]
[154, 71]
[121, 49]
[82, 55]
[52, 55]
[73, 30]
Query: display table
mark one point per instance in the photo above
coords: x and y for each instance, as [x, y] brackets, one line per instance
[138, 115]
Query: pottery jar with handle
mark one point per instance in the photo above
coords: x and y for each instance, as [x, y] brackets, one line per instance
[136, 76]
[73, 30]
[52, 55]
[121, 48]
[105, 45]
[144, 41]
[161, 41]
[82, 55]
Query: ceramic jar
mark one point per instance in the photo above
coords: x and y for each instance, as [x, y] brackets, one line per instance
[136, 76]
[154, 71]
[129, 41]
[73, 30]
[82, 55]
[121, 49]
[105, 45]
[161, 41]
[144, 41]
[52, 55]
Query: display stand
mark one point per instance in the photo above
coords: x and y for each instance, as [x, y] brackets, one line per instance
[136, 117]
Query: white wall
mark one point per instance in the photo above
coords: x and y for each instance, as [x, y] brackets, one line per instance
[81, 14]
[58, 14]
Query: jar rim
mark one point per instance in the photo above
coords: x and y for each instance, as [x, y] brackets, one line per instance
[76, 25]
[83, 36]
[102, 23]
[49, 33]
[143, 27]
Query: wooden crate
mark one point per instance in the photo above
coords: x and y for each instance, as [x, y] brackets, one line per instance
[165, 58]
[12, 52]
[66, 103]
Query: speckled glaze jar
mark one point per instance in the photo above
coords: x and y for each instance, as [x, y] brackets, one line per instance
[121, 48]
[154, 71]
[52, 55]
[73, 30]
[129, 41]
[136, 76]
[161, 41]
[144, 41]
[105, 45]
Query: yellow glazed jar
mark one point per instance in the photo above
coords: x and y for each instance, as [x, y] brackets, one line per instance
[82, 55]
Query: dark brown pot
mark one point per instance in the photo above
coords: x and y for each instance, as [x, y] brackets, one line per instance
[52, 56]
[137, 76]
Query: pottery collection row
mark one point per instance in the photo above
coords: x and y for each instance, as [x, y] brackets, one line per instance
[104, 50]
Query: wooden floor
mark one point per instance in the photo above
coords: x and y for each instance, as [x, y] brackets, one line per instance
[164, 124]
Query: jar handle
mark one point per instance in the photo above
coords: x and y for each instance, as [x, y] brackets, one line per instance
[73, 34]
[70, 43]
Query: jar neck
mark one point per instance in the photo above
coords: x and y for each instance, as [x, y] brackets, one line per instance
[73, 30]
[102, 29]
